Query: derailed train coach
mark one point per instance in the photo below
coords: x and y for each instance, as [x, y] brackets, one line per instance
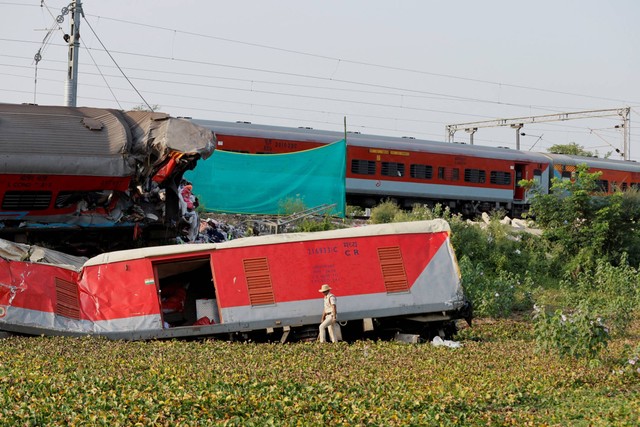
[389, 279]
[91, 173]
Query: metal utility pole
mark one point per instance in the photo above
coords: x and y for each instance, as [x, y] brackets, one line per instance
[626, 132]
[471, 131]
[71, 84]
[518, 122]
[517, 127]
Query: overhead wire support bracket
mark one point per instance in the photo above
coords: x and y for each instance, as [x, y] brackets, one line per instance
[518, 122]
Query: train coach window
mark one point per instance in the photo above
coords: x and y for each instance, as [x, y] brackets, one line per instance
[602, 185]
[363, 167]
[26, 200]
[392, 169]
[475, 175]
[92, 198]
[537, 175]
[500, 178]
[421, 171]
[448, 174]
[566, 176]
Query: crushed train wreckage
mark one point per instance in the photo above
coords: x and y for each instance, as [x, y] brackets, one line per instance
[96, 171]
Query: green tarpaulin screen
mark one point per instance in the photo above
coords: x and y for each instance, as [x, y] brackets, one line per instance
[260, 183]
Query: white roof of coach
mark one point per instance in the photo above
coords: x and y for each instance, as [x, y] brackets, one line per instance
[363, 140]
[595, 162]
[432, 226]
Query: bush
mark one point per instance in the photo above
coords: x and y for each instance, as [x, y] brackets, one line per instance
[630, 365]
[384, 213]
[423, 212]
[353, 211]
[291, 205]
[311, 224]
[471, 241]
[495, 296]
[587, 226]
[612, 292]
[579, 334]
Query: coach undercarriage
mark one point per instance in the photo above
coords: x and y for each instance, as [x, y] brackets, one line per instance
[467, 208]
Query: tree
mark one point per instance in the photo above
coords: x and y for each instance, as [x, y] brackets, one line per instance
[571, 149]
[589, 226]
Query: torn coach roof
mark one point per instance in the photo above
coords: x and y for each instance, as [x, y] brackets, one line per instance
[92, 141]
[91, 167]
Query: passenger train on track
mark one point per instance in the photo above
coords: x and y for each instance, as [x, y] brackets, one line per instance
[470, 179]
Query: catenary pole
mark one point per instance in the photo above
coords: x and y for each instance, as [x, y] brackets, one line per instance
[71, 84]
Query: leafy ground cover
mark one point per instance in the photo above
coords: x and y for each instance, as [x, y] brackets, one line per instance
[496, 378]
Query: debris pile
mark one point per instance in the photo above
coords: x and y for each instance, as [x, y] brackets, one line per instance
[515, 224]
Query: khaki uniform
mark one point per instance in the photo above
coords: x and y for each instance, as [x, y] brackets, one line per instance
[329, 302]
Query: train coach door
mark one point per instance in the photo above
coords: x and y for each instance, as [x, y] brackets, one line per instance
[186, 291]
[518, 193]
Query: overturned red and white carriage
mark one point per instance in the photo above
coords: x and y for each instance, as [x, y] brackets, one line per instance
[388, 278]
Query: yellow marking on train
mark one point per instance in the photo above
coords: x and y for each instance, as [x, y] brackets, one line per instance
[392, 152]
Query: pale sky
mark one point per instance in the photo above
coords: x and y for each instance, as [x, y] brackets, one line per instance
[398, 68]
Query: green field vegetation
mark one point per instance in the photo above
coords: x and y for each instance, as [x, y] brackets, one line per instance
[496, 378]
[556, 341]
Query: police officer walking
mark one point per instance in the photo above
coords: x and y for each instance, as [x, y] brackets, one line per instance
[329, 314]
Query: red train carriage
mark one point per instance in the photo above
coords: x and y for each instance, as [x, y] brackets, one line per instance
[388, 278]
[470, 179]
[616, 174]
[64, 169]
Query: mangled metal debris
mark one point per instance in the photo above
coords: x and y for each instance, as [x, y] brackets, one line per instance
[68, 168]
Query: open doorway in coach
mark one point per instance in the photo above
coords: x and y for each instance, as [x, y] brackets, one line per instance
[520, 173]
[186, 292]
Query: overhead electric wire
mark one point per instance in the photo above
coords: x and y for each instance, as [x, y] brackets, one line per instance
[265, 92]
[454, 97]
[262, 70]
[114, 61]
[115, 98]
[43, 46]
[288, 74]
[408, 93]
[253, 114]
[11, 3]
[412, 92]
[356, 62]
[322, 98]
[369, 64]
